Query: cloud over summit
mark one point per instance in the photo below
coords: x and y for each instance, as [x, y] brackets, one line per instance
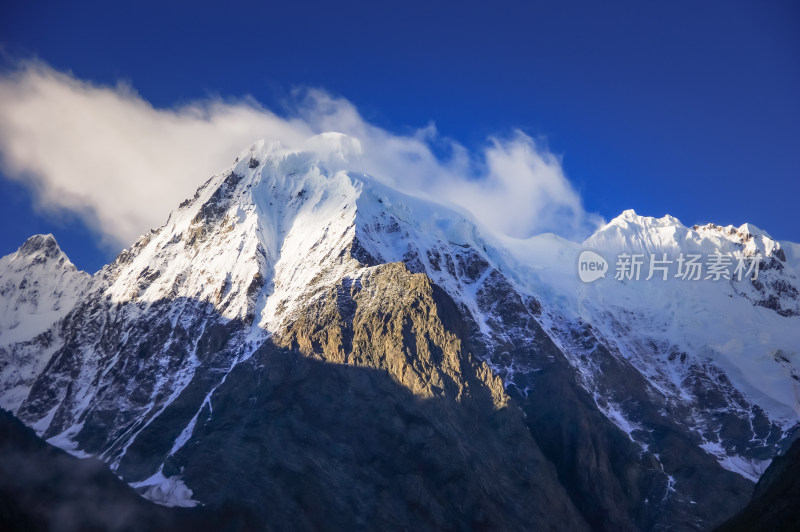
[108, 155]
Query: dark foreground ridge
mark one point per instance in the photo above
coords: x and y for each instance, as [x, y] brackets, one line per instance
[776, 500]
[43, 488]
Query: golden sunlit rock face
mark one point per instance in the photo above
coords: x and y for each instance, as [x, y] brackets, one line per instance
[394, 320]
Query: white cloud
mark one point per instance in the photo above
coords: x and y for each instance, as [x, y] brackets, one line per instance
[123, 165]
[523, 191]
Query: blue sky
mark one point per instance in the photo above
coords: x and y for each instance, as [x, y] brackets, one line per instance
[686, 108]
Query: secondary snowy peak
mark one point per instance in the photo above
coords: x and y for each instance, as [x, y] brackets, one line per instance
[722, 353]
[38, 288]
[45, 245]
[38, 285]
[632, 233]
[775, 284]
[701, 340]
[753, 240]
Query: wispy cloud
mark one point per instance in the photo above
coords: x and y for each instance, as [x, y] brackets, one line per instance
[123, 165]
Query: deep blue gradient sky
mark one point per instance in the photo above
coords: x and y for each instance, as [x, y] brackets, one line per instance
[687, 108]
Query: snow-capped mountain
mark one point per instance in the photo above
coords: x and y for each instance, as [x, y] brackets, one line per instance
[308, 339]
[38, 287]
[722, 355]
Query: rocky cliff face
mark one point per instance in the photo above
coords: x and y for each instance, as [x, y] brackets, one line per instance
[311, 343]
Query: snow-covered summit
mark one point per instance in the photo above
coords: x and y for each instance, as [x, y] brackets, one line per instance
[38, 285]
[633, 233]
[44, 244]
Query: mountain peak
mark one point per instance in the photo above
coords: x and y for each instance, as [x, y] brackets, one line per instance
[751, 229]
[39, 285]
[330, 150]
[630, 216]
[44, 244]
